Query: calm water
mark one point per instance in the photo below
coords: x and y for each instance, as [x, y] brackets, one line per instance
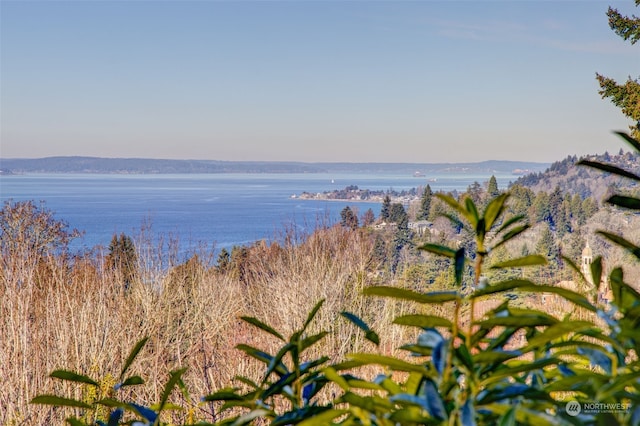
[220, 209]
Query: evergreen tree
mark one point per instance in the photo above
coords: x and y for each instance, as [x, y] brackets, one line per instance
[540, 209]
[576, 208]
[498, 255]
[224, 260]
[402, 237]
[122, 258]
[379, 250]
[555, 207]
[548, 248]
[521, 199]
[475, 192]
[492, 188]
[565, 225]
[562, 221]
[524, 251]
[348, 218]
[573, 245]
[625, 96]
[425, 203]
[545, 244]
[438, 209]
[589, 207]
[625, 27]
[386, 207]
[397, 214]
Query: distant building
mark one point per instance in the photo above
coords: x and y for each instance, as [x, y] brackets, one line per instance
[585, 265]
[420, 226]
[602, 292]
[385, 225]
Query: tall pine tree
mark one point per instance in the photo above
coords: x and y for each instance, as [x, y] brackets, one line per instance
[348, 218]
[123, 258]
[492, 188]
[425, 204]
[386, 208]
[625, 96]
[548, 247]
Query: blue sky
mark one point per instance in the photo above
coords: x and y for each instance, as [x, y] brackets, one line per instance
[357, 81]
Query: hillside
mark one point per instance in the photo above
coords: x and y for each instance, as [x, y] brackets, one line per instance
[584, 181]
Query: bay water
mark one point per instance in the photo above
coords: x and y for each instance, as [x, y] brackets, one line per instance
[218, 210]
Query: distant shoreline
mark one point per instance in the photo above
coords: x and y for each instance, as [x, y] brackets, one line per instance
[327, 197]
[126, 166]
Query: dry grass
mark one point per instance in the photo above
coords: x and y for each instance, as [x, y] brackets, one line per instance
[76, 315]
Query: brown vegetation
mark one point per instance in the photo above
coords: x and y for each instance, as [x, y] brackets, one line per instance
[78, 315]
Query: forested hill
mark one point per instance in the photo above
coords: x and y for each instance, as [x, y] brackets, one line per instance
[585, 181]
[145, 165]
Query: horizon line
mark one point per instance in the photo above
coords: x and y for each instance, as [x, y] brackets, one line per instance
[269, 161]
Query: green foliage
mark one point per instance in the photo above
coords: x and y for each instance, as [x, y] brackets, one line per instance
[506, 367]
[485, 374]
[224, 260]
[402, 236]
[475, 191]
[492, 188]
[625, 96]
[397, 214]
[548, 248]
[106, 409]
[286, 393]
[348, 218]
[425, 203]
[620, 200]
[379, 250]
[385, 211]
[123, 258]
[625, 27]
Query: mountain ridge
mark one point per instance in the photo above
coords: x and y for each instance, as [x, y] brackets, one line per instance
[98, 165]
